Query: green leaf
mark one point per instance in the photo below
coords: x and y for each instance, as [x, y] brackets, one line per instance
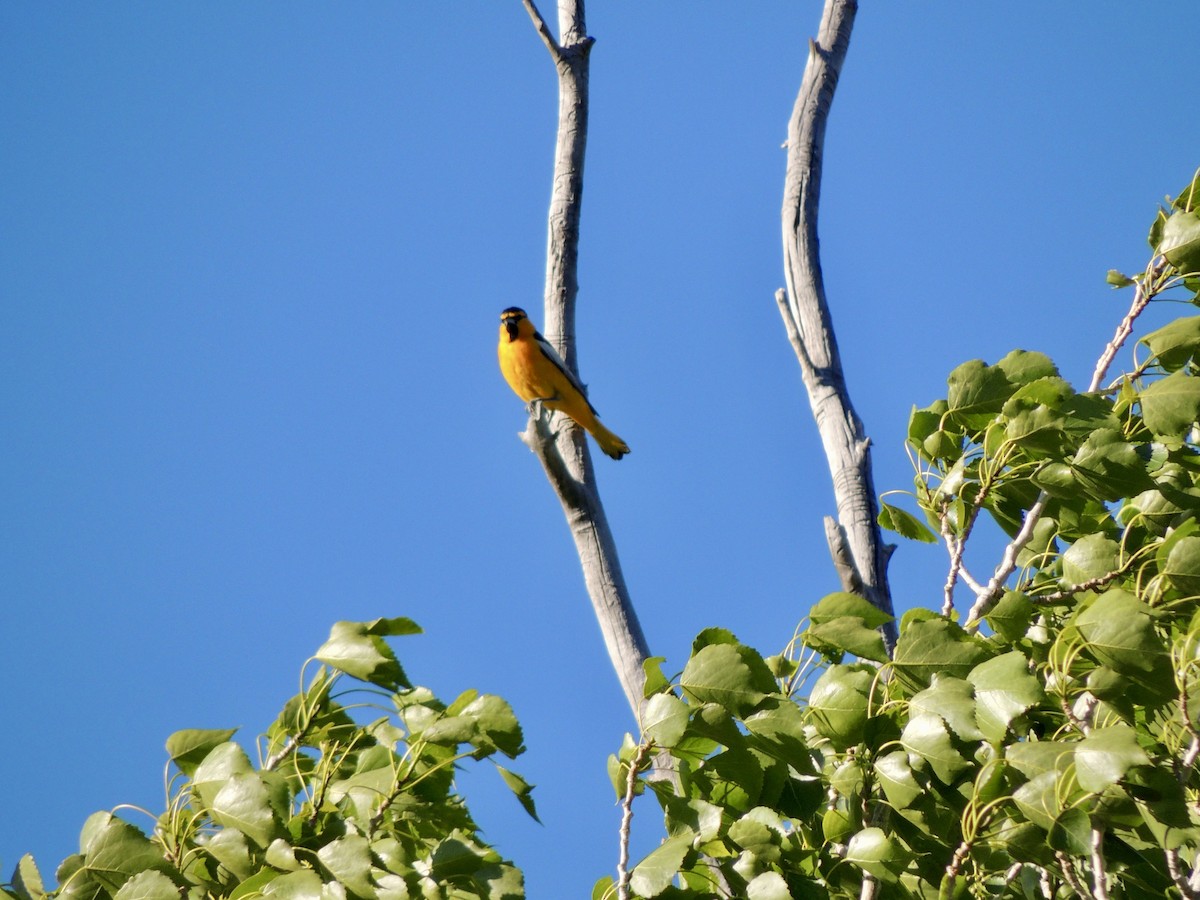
[1108, 467]
[395, 627]
[943, 445]
[1180, 242]
[847, 635]
[188, 748]
[730, 675]
[1092, 556]
[759, 831]
[923, 422]
[254, 885]
[1183, 566]
[1011, 615]
[1035, 758]
[148, 885]
[904, 523]
[243, 803]
[713, 636]
[873, 851]
[935, 645]
[230, 848]
[1025, 366]
[1004, 689]
[1056, 479]
[1038, 430]
[953, 701]
[1170, 406]
[1118, 280]
[735, 777]
[895, 776]
[497, 726]
[522, 789]
[837, 704]
[926, 737]
[27, 880]
[664, 719]
[302, 885]
[1105, 755]
[1071, 832]
[977, 391]
[695, 815]
[348, 860]
[457, 856]
[1176, 344]
[654, 874]
[282, 856]
[840, 604]
[355, 649]
[115, 850]
[768, 886]
[779, 732]
[1120, 634]
[656, 681]
[1038, 800]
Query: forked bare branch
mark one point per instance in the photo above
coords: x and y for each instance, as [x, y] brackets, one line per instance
[557, 441]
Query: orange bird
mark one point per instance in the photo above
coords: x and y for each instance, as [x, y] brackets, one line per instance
[537, 374]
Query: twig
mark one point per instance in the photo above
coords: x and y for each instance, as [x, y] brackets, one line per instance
[1090, 585]
[543, 30]
[1142, 295]
[627, 819]
[1008, 563]
[1181, 881]
[957, 859]
[1070, 876]
[1099, 872]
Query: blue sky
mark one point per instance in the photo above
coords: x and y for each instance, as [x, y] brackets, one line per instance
[251, 262]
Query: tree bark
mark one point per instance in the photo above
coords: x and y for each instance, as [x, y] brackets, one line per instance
[558, 442]
[855, 541]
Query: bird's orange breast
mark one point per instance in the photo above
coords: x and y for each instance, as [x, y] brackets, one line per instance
[522, 367]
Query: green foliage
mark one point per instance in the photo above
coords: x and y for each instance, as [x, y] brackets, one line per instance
[337, 809]
[1041, 741]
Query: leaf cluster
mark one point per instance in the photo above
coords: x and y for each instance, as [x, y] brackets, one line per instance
[1047, 747]
[354, 798]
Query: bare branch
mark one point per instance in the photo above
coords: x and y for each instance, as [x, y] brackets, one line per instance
[635, 765]
[1145, 291]
[563, 449]
[1177, 876]
[807, 319]
[1099, 869]
[543, 29]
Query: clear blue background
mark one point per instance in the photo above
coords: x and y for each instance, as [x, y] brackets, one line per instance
[251, 261]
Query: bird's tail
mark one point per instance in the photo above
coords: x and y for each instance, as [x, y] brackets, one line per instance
[611, 444]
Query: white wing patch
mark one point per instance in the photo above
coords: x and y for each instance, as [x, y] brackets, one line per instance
[552, 355]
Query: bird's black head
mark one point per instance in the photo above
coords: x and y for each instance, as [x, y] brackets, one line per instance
[510, 320]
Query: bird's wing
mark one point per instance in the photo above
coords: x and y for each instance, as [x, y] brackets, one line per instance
[552, 355]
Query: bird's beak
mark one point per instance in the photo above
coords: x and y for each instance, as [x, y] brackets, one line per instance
[510, 325]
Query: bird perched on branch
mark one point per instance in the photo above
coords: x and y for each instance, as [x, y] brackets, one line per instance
[538, 375]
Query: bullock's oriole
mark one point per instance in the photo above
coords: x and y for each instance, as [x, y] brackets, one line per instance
[536, 373]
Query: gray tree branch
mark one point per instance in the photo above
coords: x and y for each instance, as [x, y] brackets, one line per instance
[856, 543]
[556, 440]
